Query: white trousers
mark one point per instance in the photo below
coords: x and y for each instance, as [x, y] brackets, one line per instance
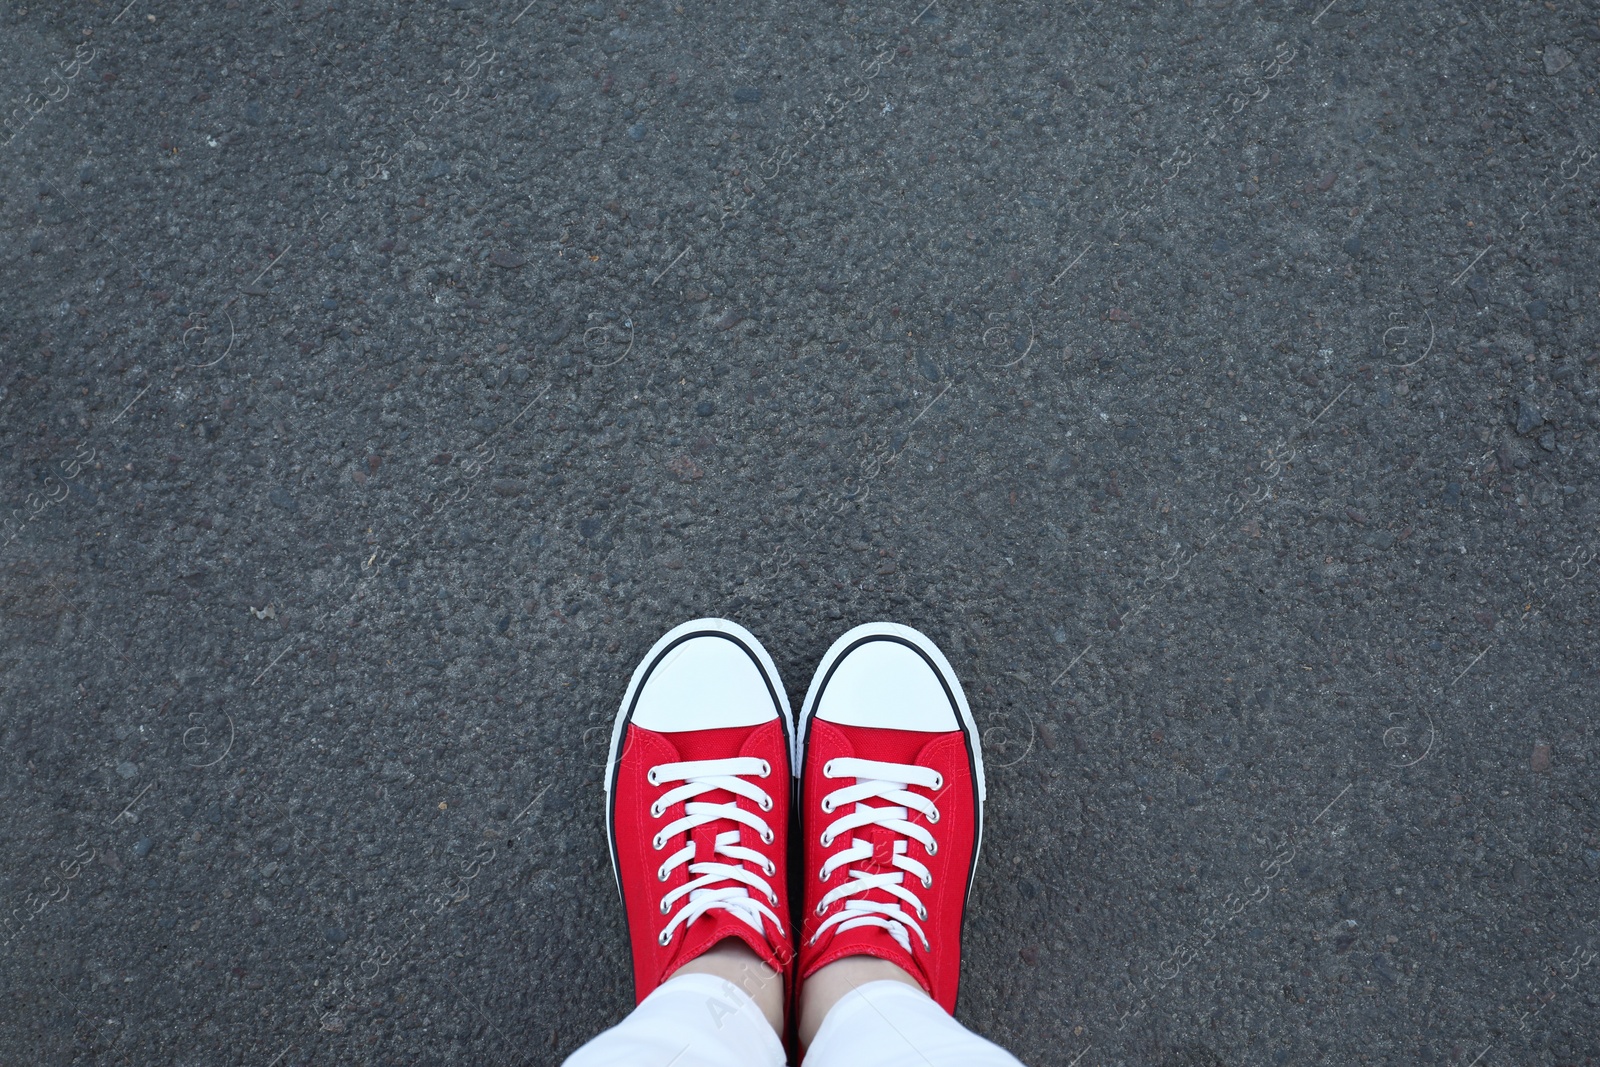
[696, 1020]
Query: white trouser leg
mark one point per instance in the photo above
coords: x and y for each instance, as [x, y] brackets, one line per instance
[889, 1024]
[693, 1020]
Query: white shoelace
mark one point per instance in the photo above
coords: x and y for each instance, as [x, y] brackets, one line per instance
[704, 776]
[878, 781]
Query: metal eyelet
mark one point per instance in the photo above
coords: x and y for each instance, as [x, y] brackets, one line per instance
[827, 806]
[664, 939]
[927, 883]
[822, 875]
[661, 875]
[767, 837]
[938, 781]
[651, 777]
[766, 768]
[827, 769]
[655, 810]
[933, 848]
[765, 803]
[821, 911]
[922, 913]
[772, 898]
[657, 843]
[663, 907]
[826, 840]
[933, 816]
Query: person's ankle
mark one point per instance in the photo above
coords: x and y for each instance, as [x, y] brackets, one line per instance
[830, 983]
[733, 961]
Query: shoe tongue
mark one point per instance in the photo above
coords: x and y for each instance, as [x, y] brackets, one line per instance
[706, 745]
[882, 839]
[882, 847]
[884, 746]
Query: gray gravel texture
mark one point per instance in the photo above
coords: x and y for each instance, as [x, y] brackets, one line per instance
[1218, 383]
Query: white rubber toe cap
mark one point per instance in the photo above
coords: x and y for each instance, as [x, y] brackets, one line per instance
[706, 680]
[888, 685]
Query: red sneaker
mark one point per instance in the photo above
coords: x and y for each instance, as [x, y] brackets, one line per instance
[891, 807]
[698, 791]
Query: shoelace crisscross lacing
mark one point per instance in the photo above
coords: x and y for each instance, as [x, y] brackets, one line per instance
[709, 889]
[878, 781]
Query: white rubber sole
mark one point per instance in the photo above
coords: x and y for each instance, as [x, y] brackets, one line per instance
[724, 627]
[922, 643]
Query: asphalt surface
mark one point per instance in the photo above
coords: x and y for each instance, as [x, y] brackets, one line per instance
[1217, 383]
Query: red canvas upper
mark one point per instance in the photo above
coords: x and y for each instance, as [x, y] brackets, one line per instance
[937, 966]
[638, 861]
